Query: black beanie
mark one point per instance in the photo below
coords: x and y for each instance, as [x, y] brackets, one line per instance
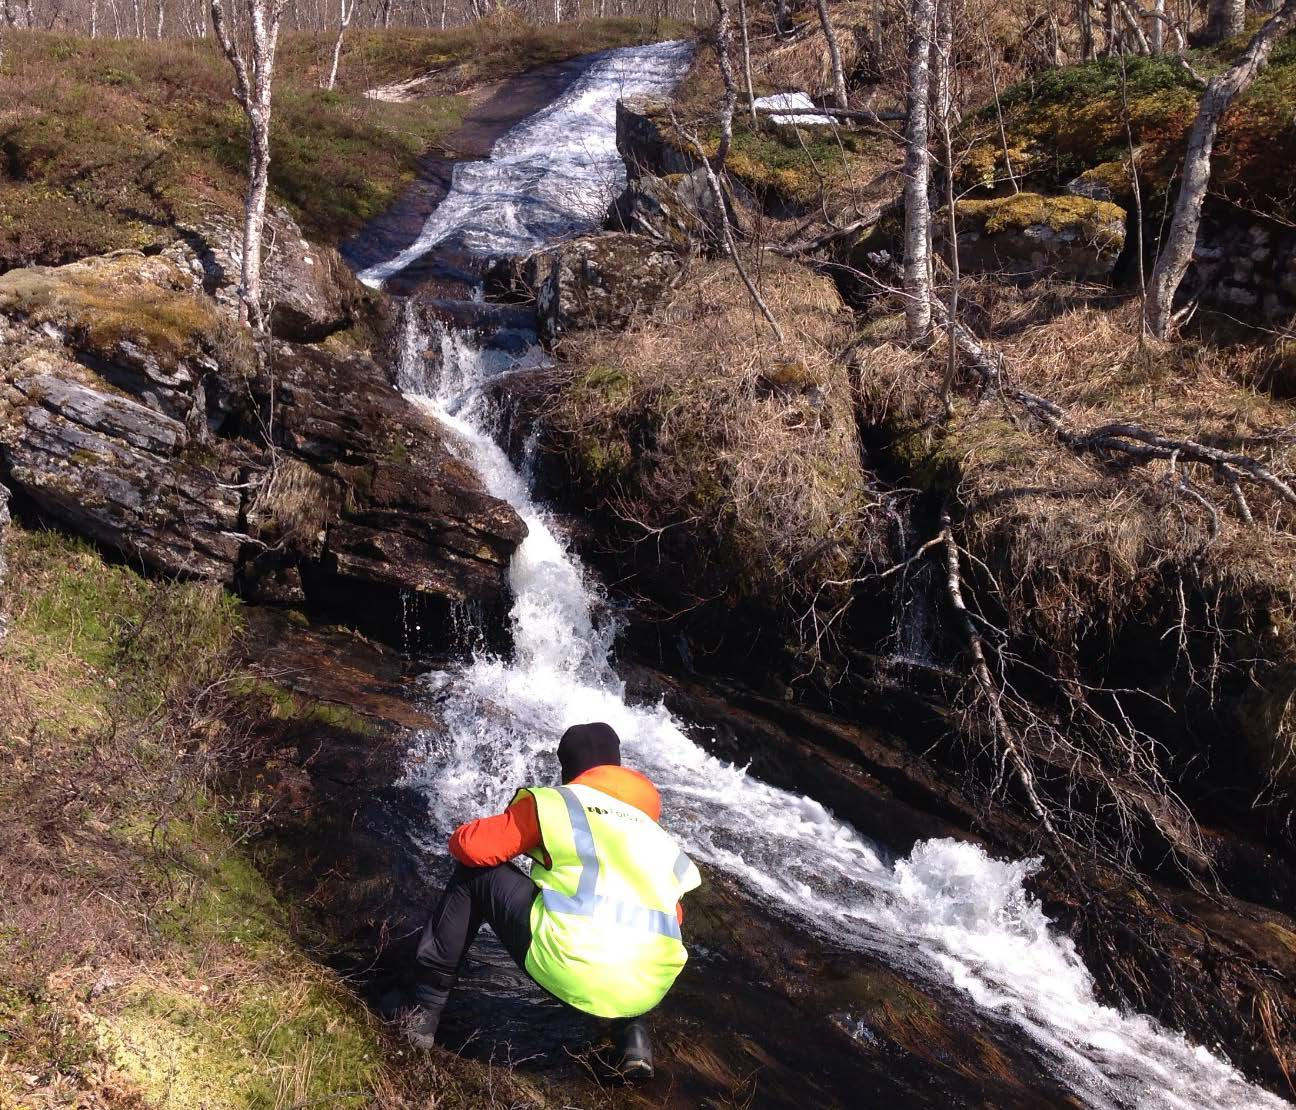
[586, 746]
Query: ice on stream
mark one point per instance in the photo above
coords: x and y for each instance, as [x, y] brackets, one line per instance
[948, 913]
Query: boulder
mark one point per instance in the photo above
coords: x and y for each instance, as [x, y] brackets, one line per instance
[645, 139]
[1033, 236]
[680, 210]
[594, 281]
[134, 412]
[309, 290]
[134, 320]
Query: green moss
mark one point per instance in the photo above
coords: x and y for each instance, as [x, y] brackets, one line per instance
[126, 298]
[140, 637]
[107, 143]
[1071, 120]
[1098, 221]
[278, 1027]
[281, 704]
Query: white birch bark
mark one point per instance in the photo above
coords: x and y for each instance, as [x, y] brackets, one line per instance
[834, 56]
[746, 56]
[344, 21]
[917, 169]
[252, 89]
[1156, 33]
[1224, 19]
[1181, 240]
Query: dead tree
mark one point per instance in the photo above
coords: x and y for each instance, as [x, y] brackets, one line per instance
[834, 56]
[1224, 19]
[1181, 240]
[917, 171]
[344, 21]
[252, 89]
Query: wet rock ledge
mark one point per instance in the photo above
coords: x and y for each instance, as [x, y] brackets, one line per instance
[135, 410]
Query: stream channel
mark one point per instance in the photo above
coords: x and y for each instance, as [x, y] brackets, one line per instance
[808, 926]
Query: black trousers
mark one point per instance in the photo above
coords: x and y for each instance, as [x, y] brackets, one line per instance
[501, 896]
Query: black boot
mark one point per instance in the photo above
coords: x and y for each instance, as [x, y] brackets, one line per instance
[422, 1020]
[634, 1050]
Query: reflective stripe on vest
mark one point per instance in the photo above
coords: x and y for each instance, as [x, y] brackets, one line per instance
[604, 933]
[585, 903]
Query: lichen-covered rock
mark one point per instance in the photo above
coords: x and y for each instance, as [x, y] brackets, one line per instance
[680, 210]
[642, 141]
[308, 289]
[1028, 235]
[135, 319]
[595, 281]
[135, 412]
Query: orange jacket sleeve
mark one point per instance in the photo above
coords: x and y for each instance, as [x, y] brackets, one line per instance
[495, 840]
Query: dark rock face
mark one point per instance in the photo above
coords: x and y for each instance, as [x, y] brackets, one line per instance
[1247, 268]
[311, 291]
[641, 143]
[132, 411]
[680, 210]
[595, 281]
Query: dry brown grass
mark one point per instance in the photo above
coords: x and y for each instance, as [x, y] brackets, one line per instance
[706, 440]
[1080, 554]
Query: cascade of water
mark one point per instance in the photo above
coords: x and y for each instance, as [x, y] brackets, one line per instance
[948, 912]
[554, 173]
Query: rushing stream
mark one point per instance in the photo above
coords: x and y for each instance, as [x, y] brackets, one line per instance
[947, 913]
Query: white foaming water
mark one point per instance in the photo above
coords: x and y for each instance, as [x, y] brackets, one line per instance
[552, 174]
[948, 913]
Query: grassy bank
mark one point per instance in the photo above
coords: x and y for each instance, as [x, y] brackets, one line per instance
[108, 144]
[144, 962]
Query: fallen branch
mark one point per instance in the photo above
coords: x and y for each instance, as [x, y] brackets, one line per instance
[1126, 438]
[855, 115]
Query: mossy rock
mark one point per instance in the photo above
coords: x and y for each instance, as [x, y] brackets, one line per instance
[1066, 122]
[1032, 235]
[130, 310]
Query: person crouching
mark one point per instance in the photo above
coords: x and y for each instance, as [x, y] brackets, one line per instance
[597, 922]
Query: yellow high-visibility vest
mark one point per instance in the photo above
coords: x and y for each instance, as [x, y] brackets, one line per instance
[604, 934]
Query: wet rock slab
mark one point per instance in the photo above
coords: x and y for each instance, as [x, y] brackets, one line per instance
[762, 1015]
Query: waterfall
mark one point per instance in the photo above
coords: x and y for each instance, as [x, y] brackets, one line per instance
[948, 913]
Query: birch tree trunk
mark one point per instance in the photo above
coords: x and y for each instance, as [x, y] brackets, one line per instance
[834, 56]
[1177, 252]
[724, 58]
[1156, 35]
[344, 21]
[252, 89]
[917, 170]
[746, 57]
[1224, 19]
